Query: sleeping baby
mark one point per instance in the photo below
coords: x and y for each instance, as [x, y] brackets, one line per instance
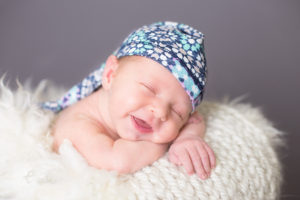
[140, 104]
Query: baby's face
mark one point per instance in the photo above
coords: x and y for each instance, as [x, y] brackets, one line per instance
[146, 102]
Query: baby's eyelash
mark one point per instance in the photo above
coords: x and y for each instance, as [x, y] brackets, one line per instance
[148, 87]
[178, 114]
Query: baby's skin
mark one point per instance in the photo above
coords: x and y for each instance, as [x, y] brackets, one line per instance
[140, 112]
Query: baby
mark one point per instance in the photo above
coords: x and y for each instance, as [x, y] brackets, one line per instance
[140, 104]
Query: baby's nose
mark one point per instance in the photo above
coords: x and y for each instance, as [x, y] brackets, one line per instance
[160, 110]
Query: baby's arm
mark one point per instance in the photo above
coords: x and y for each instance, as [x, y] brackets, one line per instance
[190, 150]
[100, 150]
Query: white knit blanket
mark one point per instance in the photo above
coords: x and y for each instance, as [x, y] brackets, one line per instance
[243, 140]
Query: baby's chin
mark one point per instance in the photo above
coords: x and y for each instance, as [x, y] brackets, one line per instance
[129, 135]
[161, 141]
[133, 135]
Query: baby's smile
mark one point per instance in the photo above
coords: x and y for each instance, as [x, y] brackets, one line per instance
[141, 125]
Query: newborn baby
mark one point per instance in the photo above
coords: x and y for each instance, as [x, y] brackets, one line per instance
[140, 104]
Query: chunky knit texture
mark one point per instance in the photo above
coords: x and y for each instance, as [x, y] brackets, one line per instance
[244, 142]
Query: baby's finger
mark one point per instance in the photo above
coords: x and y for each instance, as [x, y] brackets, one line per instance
[211, 155]
[204, 158]
[197, 163]
[173, 158]
[186, 161]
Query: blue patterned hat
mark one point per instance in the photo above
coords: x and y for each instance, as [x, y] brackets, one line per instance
[178, 47]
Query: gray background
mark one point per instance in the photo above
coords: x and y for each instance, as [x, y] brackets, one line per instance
[252, 47]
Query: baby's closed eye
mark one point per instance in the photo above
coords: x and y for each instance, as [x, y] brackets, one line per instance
[148, 88]
[177, 113]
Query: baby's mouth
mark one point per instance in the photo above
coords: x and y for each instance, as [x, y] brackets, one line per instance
[141, 125]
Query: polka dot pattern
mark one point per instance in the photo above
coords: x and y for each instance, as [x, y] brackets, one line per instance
[178, 47]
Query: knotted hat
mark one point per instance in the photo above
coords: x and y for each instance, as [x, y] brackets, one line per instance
[178, 47]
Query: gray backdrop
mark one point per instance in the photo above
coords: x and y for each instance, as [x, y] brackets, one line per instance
[252, 48]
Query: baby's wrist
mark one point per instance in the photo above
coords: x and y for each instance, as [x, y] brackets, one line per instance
[188, 135]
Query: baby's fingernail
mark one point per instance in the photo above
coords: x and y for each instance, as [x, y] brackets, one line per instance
[203, 176]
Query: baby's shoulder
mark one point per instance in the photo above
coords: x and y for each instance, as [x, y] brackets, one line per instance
[77, 114]
[82, 114]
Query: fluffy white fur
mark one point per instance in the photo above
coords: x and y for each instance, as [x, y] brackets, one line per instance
[244, 142]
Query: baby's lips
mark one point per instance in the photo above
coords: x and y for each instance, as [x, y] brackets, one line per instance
[141, 125]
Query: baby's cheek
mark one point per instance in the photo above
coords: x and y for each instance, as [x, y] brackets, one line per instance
[171, 132]
[166, 134]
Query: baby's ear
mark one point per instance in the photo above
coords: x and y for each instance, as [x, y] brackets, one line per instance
[111, 66]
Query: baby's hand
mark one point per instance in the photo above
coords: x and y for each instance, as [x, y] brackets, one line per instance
[194, 155]
[190, 150]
